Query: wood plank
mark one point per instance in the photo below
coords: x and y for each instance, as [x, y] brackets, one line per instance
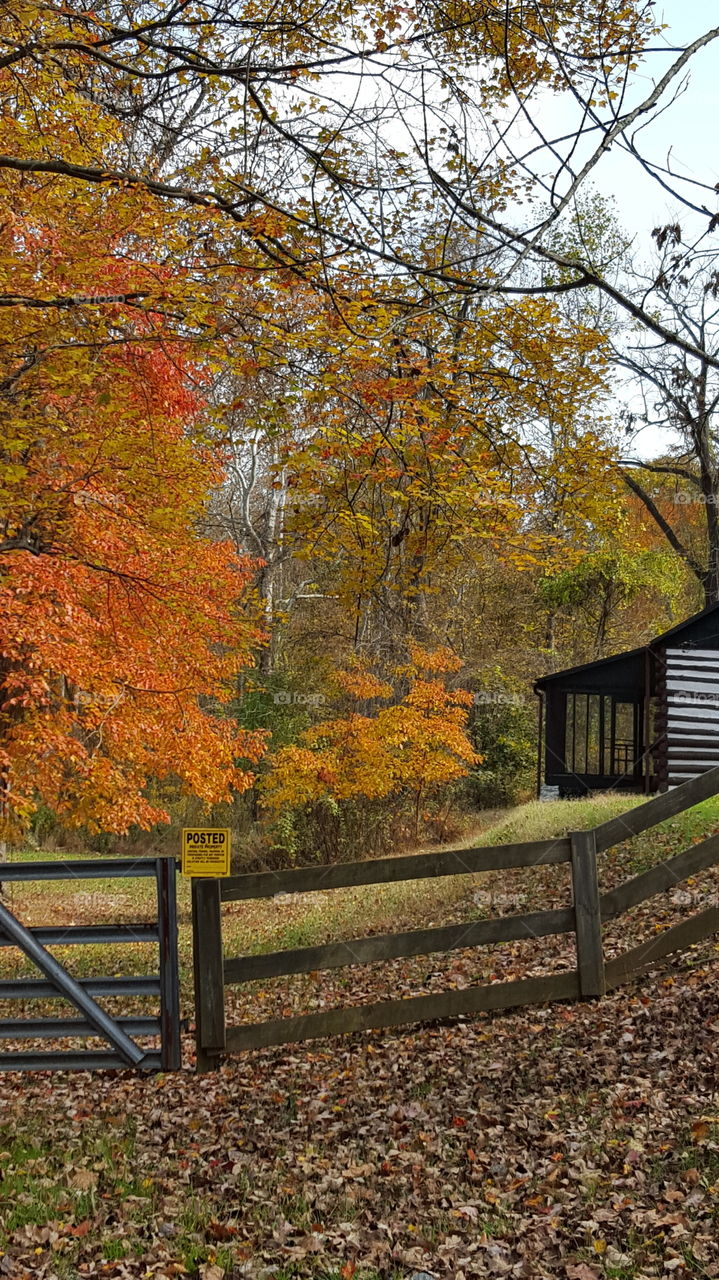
[684, 671]
[645, 956]
[689, 756]
[703, 710]
[678, 780]
[702, 741]
[208, 972]
[398, 1013]
[657, 810]
[418, 866]
[660, 878]
[169, 964]
[687, 672]
[681, 685]
[690, 762]
[703, 669]
[689, 768]
[698, 719]
[693, 653]
[707, 689]
[699, 713]
[588, 919]
[700, 749]
[684, 662]
[393, 946]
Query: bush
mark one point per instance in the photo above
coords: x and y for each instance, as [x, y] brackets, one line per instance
[503, 729]
[338, 831]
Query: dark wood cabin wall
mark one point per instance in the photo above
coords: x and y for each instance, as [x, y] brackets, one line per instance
[555, 727]
[660, 726]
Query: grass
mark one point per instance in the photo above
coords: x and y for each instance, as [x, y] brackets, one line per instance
[540, 820]
[36, 1187]
[311, 919]
[301, 920]
[43, 1183]
[46, 1187]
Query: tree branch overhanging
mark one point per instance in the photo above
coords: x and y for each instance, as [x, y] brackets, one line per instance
[674, 541]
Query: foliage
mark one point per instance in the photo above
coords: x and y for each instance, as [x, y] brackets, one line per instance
[606, 582]
[249, 125]
[239, 318]
[120, 619]
[329, 830]
[408, 749]
[504, 730]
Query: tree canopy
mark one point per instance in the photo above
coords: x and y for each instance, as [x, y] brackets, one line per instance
[309, 330]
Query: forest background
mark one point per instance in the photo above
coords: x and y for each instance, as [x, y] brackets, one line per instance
[338, 405]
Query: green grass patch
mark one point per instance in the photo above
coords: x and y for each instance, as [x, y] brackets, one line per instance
[305, 920]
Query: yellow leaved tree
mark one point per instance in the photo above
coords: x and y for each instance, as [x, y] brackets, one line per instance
[409, 742]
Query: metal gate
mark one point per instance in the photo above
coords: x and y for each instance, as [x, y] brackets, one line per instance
[120, 1033]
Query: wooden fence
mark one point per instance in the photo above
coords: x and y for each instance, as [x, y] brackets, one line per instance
[589, 909]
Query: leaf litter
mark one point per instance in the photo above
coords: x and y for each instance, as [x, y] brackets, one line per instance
[573, 1141]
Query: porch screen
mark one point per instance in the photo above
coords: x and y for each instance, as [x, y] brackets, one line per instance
[601, 735]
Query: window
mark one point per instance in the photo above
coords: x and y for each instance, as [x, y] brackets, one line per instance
[601, 735]
[577, 756]
[624, 737]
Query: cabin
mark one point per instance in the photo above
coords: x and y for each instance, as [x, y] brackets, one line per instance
[644, 720]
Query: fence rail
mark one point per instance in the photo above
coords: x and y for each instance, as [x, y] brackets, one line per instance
[421, 866]
[591, 978]
[395, 946]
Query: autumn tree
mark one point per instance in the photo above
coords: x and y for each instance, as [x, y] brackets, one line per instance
[122, 625]
[245, 115]
[405, 455]
[407, 751]
[219, 270]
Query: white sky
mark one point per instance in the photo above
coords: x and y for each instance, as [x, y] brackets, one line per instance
[688, 132]
[686, 135]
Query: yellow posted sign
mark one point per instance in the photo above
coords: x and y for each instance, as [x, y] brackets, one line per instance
[206, 851]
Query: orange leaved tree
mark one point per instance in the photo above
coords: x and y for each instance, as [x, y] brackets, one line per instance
[122, 627]
[407, 749]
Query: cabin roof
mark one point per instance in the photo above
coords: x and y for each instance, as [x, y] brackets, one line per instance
[623, 672]
[622, 669]
[700, 628]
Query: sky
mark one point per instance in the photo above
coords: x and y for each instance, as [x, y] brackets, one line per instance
[688, 132]
[686, 135]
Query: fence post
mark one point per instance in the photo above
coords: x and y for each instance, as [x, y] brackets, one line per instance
[587, 912]
[169, 971]
[209, 975]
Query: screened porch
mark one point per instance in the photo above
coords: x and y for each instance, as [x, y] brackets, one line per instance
[593, 726]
